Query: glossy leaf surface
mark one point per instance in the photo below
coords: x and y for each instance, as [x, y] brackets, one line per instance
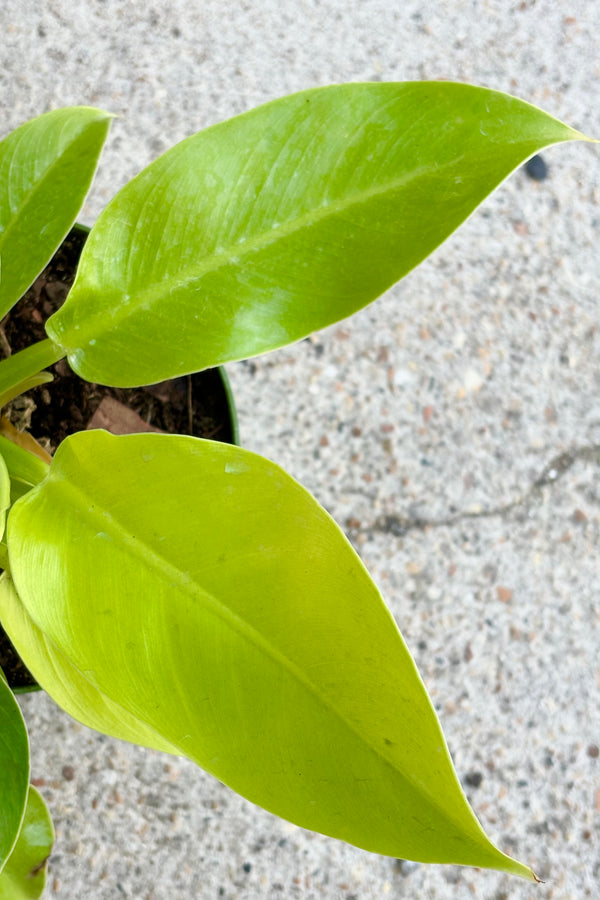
[205, 593]
[46, 168]
[14, 770]
[264, 228]
[24, 876]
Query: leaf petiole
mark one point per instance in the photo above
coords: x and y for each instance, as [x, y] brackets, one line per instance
[23, 386]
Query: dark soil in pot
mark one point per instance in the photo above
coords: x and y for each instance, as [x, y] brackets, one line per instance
[199, 404]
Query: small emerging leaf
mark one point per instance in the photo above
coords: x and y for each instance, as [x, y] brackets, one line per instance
[24, 876]
[46, 168]
[4, 494]
[26, 385]
[14, 770]
[205, 593]
[262, 229]
[24, 467]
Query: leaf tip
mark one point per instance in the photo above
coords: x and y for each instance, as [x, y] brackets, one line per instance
[580, 136]
[523, 871]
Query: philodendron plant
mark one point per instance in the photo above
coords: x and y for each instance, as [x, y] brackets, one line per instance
[189, 595]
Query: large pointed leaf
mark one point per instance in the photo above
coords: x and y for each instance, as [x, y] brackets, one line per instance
[207, 594]
[14, 770]
[266, 227]
[46, 168]
[24, 876]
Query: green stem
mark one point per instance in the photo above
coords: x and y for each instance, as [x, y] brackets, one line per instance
[28, 362]
[26, 385]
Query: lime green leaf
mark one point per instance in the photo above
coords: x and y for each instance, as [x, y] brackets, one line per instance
[204, 592]
[261, 229]
[14, 770]
[4, 494]
[65, 683]
[25, 366]
[24, 469]
[24, 876]
[27, 384]
[46, 168]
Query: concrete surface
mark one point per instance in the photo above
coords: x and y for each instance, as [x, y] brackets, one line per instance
[453, 429]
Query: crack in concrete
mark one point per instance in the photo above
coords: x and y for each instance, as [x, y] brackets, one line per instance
[551, 474]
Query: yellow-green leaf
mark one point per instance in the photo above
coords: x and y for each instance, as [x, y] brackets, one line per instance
[23, 469]
[46, 168]
[14, 770]
[67, 685]
[24, 875]
[4, 493]
[205, 593]
[262, 229]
